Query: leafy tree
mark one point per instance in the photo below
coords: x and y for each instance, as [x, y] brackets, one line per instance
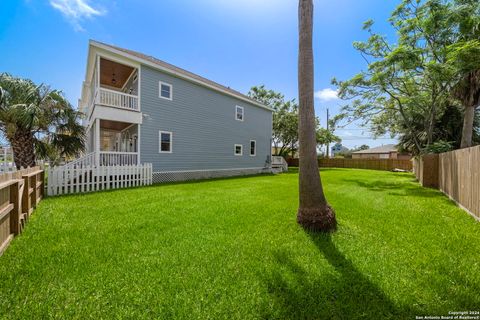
[314, 213]
[464, 57]
[285, 119]
[35, 120]
[326, 137]
[439, 147]
[405, 89]
[363, 147]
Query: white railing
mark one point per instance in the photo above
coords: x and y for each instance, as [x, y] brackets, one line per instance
[6, 160]
[84, 161]
[67, 180]
[116, 99]
[279, 162]
[7, 167]
[112, 158]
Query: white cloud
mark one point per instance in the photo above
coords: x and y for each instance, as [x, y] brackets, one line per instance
[76, 11]
[326, 94]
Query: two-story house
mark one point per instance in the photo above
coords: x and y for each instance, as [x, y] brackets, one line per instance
[139, 109]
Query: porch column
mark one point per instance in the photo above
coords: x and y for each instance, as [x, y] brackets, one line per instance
[97, 142]
[138, 144]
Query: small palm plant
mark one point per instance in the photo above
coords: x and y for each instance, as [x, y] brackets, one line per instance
[38, 121]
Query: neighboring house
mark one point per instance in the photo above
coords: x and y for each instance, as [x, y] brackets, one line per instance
[142, 110]
[338, 148]
[388, 151]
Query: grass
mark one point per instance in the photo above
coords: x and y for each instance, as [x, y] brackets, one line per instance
[231, 249]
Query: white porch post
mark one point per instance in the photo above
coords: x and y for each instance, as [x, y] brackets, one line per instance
[138, 144]
[97, 142]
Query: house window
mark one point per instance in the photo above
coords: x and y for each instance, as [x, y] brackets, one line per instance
[165, 90]
[238, 149]
[253, 148]
[165, 142]
[239, 113]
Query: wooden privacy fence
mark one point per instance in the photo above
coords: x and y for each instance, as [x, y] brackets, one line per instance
[20, 192]
[373, 164]
[68, 180]
[456, 174]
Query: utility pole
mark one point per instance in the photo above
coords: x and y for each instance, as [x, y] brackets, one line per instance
[328, 145]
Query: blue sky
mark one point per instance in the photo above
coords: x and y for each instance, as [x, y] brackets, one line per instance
[238, 43]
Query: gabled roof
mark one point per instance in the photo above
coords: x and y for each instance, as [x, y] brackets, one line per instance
[382, 149]
[174, 70]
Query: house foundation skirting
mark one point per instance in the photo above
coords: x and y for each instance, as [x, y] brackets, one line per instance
[187, 175]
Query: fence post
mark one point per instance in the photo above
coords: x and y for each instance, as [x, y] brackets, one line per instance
[34, 195]
[429, 170]
[42, 187]
[15, 199]
[26, 196]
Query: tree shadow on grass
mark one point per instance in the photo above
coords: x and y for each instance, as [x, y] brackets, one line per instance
[399, 188]
[344, 293]
[294, 170]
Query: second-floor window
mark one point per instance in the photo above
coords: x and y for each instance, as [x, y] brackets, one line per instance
[165, 90]
[238, 113]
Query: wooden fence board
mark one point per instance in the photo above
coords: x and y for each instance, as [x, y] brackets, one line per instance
[457, 174]
[20, 192]
[459, 177]
[372, 164]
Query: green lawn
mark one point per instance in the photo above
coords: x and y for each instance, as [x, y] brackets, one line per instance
[232, 249]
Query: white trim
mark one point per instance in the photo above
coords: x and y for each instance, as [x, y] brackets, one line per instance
[108, 56]
[243, 113]
[179, 75]
[129, 77]
[202, 170]
[250, 148]
[139, 92]
[127, 127]
[138, 143]
[160, 83]
[160, 141]
[97, 141]
[119, 92]
[235, 149]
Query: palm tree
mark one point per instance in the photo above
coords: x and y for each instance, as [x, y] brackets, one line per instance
[36, 120]
[467, 91]
[463, 57]
[314, 213]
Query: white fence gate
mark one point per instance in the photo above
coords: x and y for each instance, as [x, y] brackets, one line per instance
[67, 180]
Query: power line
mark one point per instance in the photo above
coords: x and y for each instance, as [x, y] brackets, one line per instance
[369, 138]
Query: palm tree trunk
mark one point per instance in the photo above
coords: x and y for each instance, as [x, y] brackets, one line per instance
[467, 130]
[313, 213]
[23, 149]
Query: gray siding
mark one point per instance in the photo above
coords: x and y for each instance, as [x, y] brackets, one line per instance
[203, 125]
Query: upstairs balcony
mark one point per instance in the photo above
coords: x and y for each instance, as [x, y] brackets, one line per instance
[113, 92]
[116, 99]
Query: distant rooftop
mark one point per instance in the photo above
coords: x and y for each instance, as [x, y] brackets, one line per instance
[382, 149]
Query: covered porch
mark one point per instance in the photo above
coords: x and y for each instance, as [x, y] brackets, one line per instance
[114, 142]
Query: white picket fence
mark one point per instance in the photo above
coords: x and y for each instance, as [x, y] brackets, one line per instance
[68, 180]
